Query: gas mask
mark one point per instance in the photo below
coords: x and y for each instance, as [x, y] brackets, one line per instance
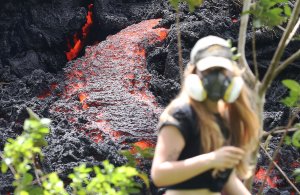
[214, 85]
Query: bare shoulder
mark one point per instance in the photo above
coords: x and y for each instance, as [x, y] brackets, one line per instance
[170, 143]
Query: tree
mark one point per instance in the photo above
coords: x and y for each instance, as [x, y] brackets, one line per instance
[266, 13]
[276, 66]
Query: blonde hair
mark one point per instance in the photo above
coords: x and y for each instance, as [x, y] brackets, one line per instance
[241, 120]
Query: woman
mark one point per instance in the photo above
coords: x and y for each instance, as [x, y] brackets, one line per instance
[208, 134]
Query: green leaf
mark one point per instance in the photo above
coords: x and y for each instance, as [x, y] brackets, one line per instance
[276, 11]
[133, 191]
[296, 173]
[290, 101]
[97, 170]
[26, 125]
[41, 143]
[24, 193]
[287, 10]
[4, 167]
[288, 140]
[34, 190]
[269, 13]
[292, 85]
[296, 139]
[294, 95]
[32, 124]
[145, 178]
[27, 179]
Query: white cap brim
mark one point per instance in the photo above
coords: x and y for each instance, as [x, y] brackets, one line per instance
[213, 61]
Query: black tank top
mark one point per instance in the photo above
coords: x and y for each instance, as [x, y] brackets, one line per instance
[185, 119]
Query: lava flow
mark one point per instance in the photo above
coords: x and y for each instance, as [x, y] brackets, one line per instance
[261, 174]
[80, 37]
[106, 92]
[275, 180]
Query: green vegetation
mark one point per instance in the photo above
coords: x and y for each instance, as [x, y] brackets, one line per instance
[20, 156]
[270, 13]
[293, 100]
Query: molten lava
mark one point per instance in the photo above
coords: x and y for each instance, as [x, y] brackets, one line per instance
[47, 92]
[143, 144]
[80, 37]
[109, 88]
[261, 174]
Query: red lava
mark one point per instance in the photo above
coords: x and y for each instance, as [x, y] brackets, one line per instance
[111, 86]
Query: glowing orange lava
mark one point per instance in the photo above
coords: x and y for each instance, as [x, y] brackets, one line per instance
[47, 92]
[261, 174]
[141, 52]
[162, 35]
[79, 43]
[111, 82]
[143, 144]
[82, 97]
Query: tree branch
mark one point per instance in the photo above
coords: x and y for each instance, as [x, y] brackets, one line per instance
[268, 78]
[291, 120]
[284, 64]
[254, 55]
[279, 169]
[37, 169]
[249, 77]
[277, 131]
[280, 27]
[293, 31]
[10, 167]
[180, 63]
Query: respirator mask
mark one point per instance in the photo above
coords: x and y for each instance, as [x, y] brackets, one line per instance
[211, 56]
[214, 85]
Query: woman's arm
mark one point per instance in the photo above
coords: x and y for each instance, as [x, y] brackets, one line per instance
[165, 169]
[234, 186]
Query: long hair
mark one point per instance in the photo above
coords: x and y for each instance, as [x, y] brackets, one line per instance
[241, 120]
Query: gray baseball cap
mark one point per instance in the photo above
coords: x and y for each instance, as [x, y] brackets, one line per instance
[219, 57]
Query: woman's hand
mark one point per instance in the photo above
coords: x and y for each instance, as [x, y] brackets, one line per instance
[226, 157]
